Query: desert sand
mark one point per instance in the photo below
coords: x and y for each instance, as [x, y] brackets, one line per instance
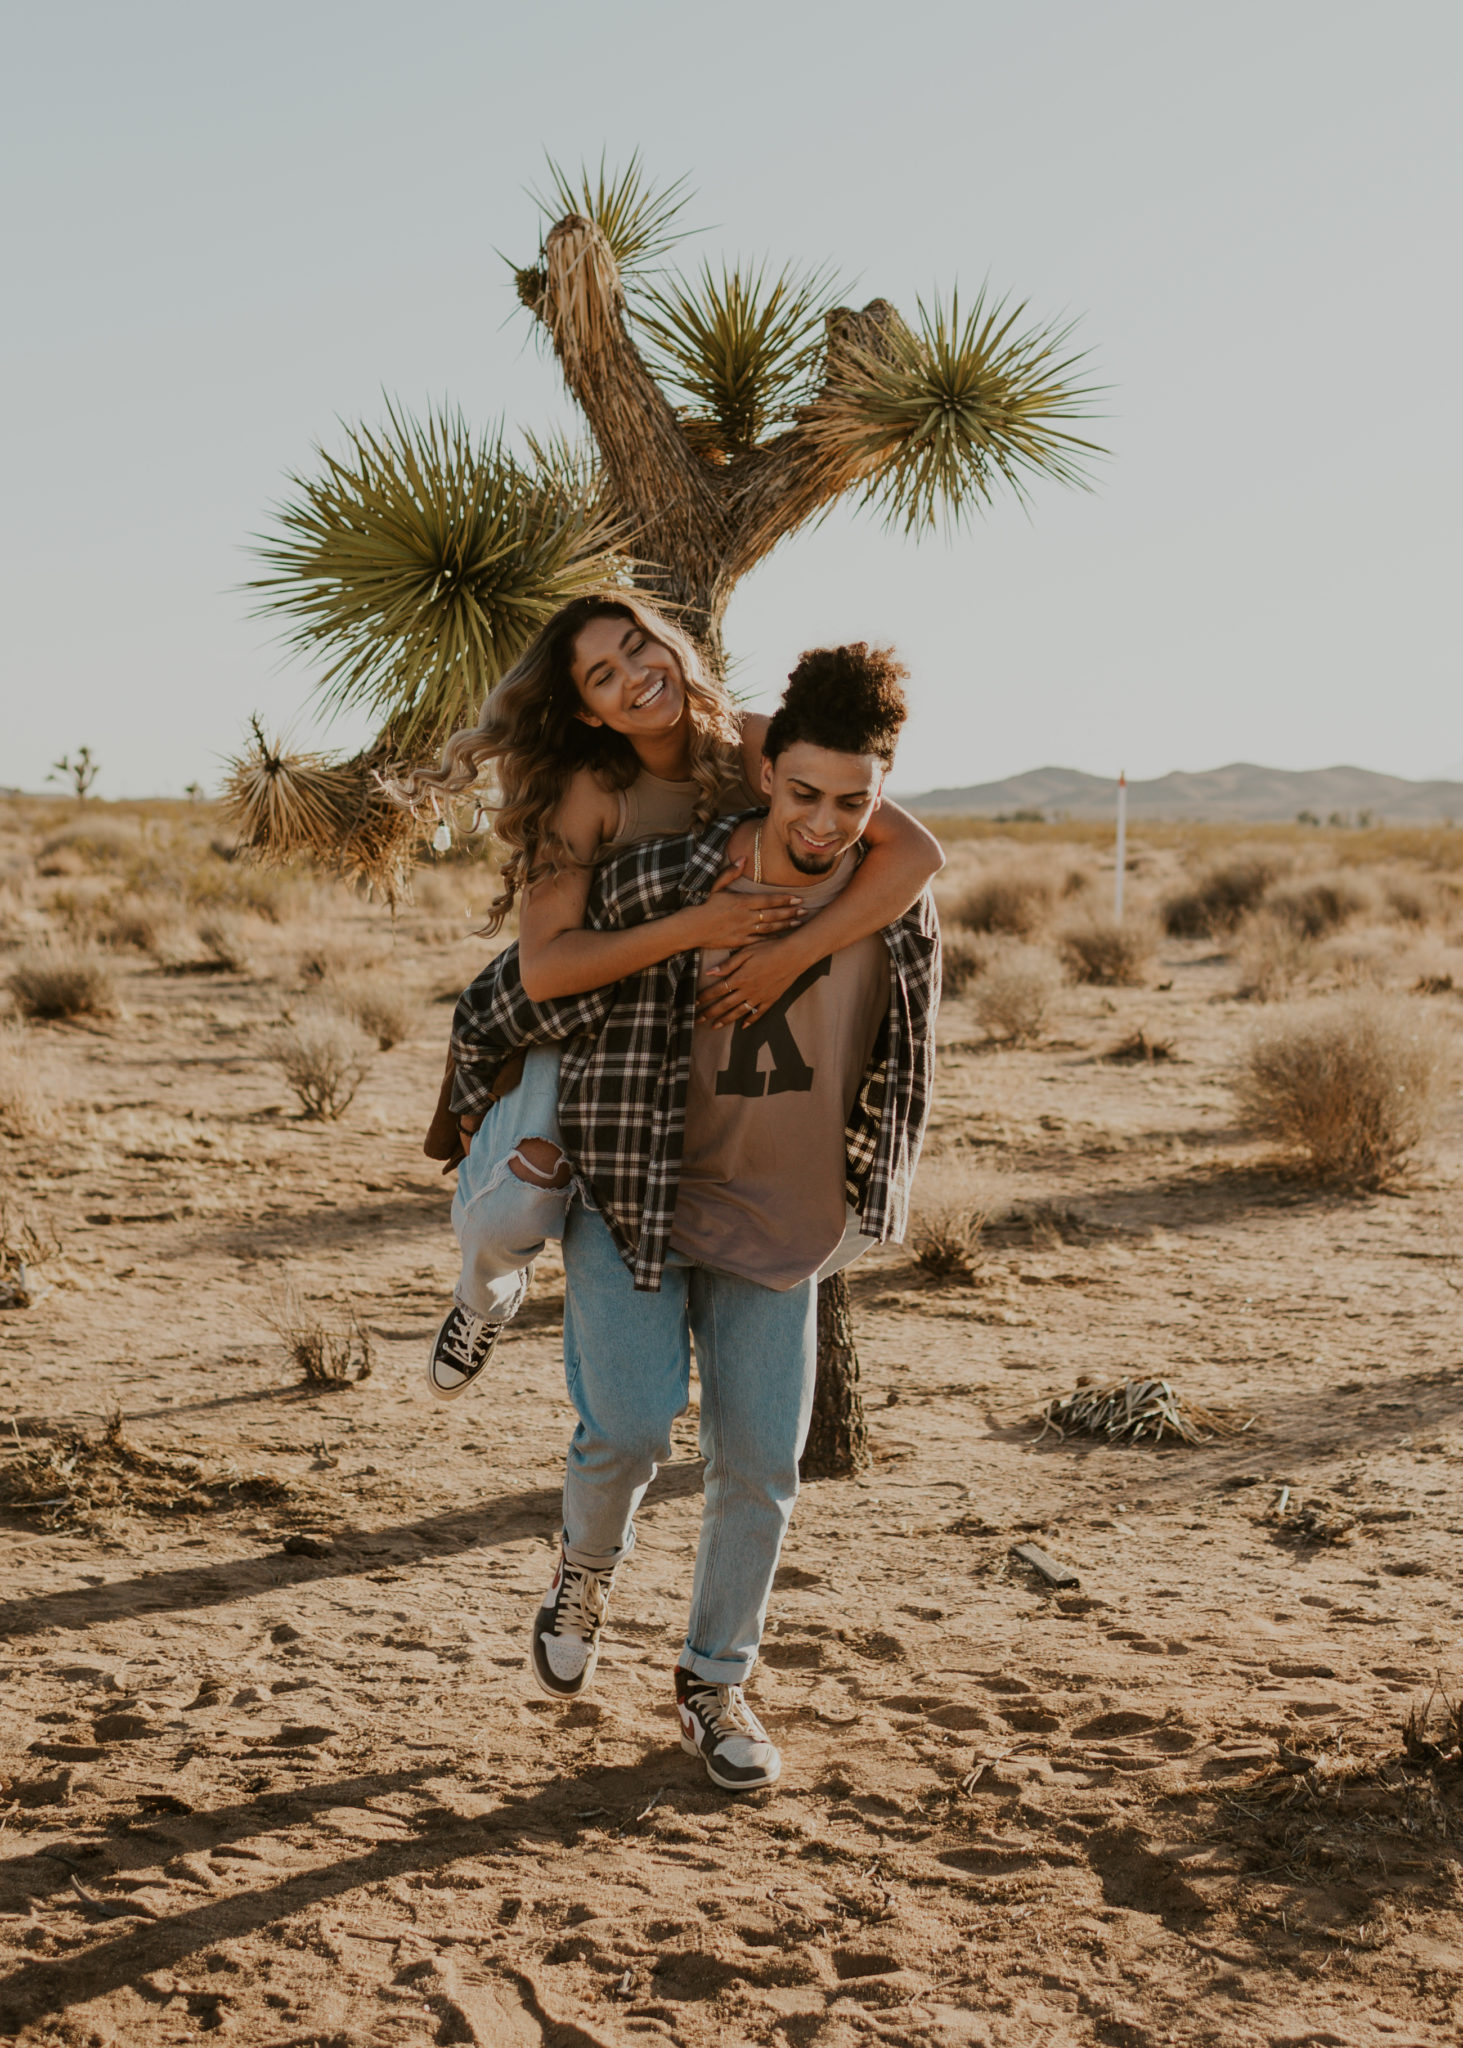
[275, 1768]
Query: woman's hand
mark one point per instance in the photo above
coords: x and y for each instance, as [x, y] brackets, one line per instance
[744, 986]
[725, 919]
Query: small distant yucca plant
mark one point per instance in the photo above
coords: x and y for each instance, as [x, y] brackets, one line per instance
[1352, 1084]
[1099, 949]
[62, 981]
[324, 1058]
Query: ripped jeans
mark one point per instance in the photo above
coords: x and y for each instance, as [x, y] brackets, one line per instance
[500, 1217]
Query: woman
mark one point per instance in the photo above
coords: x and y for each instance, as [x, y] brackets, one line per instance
[610, 730]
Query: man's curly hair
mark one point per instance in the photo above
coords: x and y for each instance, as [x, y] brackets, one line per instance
[845, 698]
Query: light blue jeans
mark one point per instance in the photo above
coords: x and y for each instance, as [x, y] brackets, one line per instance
[502, 1221]
[627, 1360]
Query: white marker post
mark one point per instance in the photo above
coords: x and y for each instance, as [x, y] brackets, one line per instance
[1122, 862]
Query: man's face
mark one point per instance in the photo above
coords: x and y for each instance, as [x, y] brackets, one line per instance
[819, 803]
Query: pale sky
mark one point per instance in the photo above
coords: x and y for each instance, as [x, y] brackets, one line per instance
[227, 228]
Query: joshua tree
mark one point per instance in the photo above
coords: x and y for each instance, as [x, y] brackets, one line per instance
[80, 773]
[726, 410]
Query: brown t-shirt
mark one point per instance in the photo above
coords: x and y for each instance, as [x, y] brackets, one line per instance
[762, 1175]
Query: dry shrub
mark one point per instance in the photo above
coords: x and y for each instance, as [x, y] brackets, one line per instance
[93, 841]
[949, 1213]
[327, 959]
[328, 1353]
[1130, 1411]
[29, 1107]
[1016, 898]
[137, 921]
[962, 958]
[1315, 905]
[1412, 900]
[1015, 991]
[62, 981]
[225, 939]
[324, 1057]
[1100, 950]
[1274, 959]
[1352, 1084]
[1220, 900]
[389, 1010]
[74, 1481]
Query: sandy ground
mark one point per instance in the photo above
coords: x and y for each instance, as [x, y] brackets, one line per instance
[303, 1798]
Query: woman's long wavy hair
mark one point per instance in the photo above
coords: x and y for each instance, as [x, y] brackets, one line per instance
[532, 741]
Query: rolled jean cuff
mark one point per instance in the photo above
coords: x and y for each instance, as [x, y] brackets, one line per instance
[717, 1670]
[597, 1560]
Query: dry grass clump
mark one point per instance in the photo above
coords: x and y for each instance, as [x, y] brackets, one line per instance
[950, 1210]
[1015, 991]
[387, 1009]
[962, 958]
[1132, 1411]
[1316, 905]
[137, 921]
[1220, 900]
[1016, 898]
[75, 1481]
[28, 1102]
[225, 940]
[327, 959]
[324, 1057]
[1274, 959]
[62, 981]
[328, 1354]
[1099, 950]
[1352, 1085]
[95, 840]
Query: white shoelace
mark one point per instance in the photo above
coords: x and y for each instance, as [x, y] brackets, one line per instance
[459, 1346]
[724, 1710]
[583, 1601]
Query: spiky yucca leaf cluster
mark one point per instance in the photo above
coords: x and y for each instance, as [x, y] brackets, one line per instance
[941, 415]
[741, 347]
[423, 561]
[287, 805]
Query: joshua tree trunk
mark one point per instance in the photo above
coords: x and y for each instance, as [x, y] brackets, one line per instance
[838, 1437]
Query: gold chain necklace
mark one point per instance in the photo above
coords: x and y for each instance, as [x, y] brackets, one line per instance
[757, 855]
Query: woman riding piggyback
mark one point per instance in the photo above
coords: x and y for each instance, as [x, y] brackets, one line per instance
[609, 730]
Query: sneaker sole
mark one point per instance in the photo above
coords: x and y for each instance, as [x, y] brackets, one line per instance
[731, 1784]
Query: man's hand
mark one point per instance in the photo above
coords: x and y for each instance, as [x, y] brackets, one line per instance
[748, 982]
[467, 1125]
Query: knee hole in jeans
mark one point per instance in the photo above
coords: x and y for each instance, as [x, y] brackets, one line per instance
[540, 1163]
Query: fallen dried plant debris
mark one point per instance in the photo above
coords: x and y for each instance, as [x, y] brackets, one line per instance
[1129, 1411]
[1422, 1726]
[75, 1481]
[22, 1251]
[1316, 1519]
[1140, 1047]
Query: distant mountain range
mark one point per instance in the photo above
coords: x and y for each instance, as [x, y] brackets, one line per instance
[1242, 792]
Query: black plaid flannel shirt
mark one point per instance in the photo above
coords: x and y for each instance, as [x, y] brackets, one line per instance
[626, 1066]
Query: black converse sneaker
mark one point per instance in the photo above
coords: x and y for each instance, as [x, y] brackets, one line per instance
[567, 1627]
[718, 1726]
[460, 1350]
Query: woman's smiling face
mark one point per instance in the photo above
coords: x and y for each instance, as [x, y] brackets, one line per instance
[626, 679]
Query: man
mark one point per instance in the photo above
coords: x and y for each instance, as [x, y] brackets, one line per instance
[720, 1158]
